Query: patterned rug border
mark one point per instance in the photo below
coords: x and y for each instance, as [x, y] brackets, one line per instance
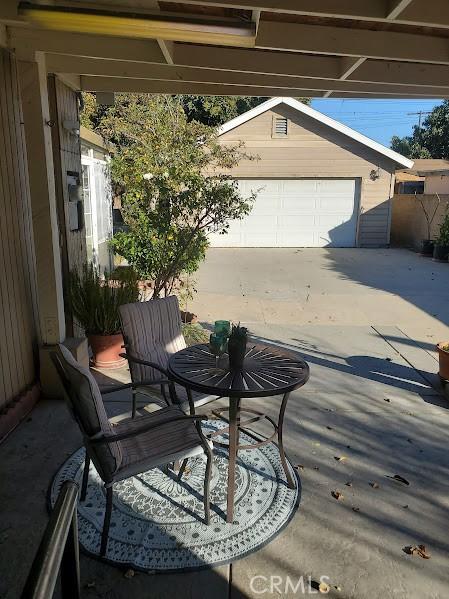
[124, 566]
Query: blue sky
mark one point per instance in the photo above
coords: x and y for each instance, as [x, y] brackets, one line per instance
[377, 119]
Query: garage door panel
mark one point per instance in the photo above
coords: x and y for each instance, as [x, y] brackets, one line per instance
[299, 205]
[290, 186]
[335, 186]
[295, 213]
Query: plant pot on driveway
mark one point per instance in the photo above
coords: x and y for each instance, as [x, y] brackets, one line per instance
[440, 253]
[106, 350]
[443, 357]
[427, 246]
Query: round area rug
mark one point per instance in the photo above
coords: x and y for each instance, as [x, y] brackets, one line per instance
[157, 522]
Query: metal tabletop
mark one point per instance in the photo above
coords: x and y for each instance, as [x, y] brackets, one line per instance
[267, 370]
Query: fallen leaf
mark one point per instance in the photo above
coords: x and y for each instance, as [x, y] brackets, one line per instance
[340, 458]
[90, 585]
[349, 483]
[129, 573]
[399, 479]
[374, 485]
[356, 509]
[417, 550]
[337, 495]
[324, 587]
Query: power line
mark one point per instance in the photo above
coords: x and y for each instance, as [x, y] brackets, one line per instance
[420, 113]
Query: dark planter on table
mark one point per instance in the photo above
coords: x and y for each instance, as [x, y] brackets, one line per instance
[236, 353]
[237, 347]
[427, 247]
[440, 252]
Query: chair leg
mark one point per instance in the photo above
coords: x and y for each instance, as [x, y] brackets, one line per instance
[207, 487]
[182, 468]
[85, 477]
[107, 521]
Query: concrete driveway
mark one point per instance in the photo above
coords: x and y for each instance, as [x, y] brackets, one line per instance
[366, 322]
[291, 287]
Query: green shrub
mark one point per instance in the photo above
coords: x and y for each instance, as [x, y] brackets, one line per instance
[194, 333]
[443, 237]
[95, 301]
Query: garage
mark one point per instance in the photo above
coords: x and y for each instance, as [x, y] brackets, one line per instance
[296, 213]
[319, 183]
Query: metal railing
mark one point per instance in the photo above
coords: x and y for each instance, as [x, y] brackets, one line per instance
[58, 551]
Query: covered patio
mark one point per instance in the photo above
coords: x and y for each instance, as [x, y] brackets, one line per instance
[52, 51]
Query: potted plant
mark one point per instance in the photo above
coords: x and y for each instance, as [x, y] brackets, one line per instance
[237, 346]
[441, 249]
[428, 244]
[443, 357]
[95, 302]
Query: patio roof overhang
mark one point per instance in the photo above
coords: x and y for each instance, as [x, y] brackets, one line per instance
[343, 48]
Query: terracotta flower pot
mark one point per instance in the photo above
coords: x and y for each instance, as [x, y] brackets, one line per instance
[443, 356]
[106, 350]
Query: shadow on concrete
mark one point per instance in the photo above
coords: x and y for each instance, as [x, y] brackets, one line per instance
[419, 281]
[371, 368]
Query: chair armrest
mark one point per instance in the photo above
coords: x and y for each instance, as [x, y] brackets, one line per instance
[135, 385]
[143, 429]
[132, 358]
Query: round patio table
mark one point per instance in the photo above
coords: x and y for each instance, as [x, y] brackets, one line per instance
[268, 370]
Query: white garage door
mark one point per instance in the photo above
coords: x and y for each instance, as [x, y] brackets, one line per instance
[295, 213]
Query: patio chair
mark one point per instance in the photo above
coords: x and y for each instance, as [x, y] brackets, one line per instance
[152, 333]
[123, 447]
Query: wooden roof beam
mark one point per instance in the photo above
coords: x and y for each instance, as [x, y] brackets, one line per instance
[162, 86]
[415, 12]
[342, 41]
[80, 44]
[58, 63]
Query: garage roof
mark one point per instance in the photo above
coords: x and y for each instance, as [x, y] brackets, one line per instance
[318, 116]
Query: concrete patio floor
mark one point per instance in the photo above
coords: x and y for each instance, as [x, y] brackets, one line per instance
[372, 398]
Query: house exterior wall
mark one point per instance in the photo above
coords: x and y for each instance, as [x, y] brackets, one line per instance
[436, 184]
[18, 334]
[313, 150]
[67, 104]
[408, 222]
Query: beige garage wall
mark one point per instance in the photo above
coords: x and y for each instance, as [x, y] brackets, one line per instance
[312, 150]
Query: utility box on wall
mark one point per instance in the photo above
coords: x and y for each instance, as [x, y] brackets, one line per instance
[75, 208]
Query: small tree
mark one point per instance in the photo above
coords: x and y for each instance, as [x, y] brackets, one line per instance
[174, 191]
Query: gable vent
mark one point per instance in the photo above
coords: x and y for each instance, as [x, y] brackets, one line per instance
[280, 126]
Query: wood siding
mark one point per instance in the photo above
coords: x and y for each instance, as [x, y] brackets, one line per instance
[17, 263]
[313, 150]
[67, 106]
[67, 158]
